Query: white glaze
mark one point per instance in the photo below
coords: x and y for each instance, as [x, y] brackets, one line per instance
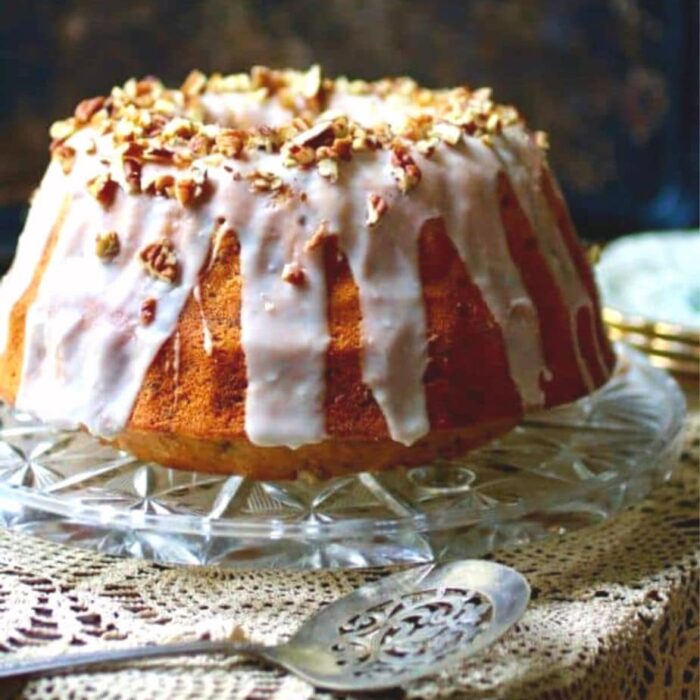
[524, 162]
[241, 110]
[459, 184]
[86, 352]
[207, 341]
[283, 326]
[46, 208]
[384, 264]
[466, 196]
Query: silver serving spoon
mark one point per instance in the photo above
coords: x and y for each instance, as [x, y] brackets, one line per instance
[400, 628]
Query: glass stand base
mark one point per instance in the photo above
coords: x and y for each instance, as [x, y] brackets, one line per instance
[560, 469]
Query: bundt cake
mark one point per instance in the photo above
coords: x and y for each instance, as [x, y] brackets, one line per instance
[274, 272]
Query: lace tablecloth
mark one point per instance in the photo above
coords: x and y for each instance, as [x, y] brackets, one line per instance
[614, 614]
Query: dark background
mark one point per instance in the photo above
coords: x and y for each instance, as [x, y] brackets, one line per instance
[615, 82]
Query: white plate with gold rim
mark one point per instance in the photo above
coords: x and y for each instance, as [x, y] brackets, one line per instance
[650, 284]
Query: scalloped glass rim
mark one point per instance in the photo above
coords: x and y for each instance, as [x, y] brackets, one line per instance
[621, 440]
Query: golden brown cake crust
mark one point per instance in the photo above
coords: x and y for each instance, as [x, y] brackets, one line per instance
[330, 458]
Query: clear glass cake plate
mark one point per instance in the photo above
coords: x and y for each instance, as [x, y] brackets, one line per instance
[560, 469]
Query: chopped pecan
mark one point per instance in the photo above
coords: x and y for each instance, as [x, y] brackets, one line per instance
[103, 189]
[298, 155]
[264, 139]
[449, 133]
[328, 168]
[426, 147]
[261, 77]
[158, 155]
[160, 260]
[230, 142]
[494, 124]
[148, 311]
[131, 149]
[343, 147]
[263, 181]
[293, 273]
[107, 245]
[376, 208]
[319, 236]
[312, 82]
[66, 157]
[162, 186]
[132, 174]
[87, 108]
[405, 171]
[194, 83]
[321, 134]
[179, 126]
[188, 191]
[200, 144]
[363, 141]
[61, 130]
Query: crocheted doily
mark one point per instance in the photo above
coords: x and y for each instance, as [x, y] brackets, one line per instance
[614, 614]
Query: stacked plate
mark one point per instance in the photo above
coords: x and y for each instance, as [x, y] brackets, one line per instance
[650, 285]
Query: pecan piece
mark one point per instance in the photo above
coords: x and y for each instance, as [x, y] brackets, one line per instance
[61, 130]
[163, 186]
[200, 144]
[189, 190]
[426, 147]
[103, 189]
[230, 142]
[194, 83]
[449, 133]
[376, 208]
[179, 126]
[319, 236]
[107, 245]
[321, 134]
[312, 82]
[132, 174]
[405, 171]
[293, 273]
[87, 108]
[158, 155]
[264, 181]
[328, 168]
[66, 157]
[160, 260]
[148, 311]
[298, 155]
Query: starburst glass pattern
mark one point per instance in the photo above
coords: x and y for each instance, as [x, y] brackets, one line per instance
[559, 469]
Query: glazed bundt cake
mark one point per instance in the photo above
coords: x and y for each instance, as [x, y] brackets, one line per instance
[273, 272]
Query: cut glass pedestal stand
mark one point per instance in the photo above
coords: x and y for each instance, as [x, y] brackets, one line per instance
[560, 469]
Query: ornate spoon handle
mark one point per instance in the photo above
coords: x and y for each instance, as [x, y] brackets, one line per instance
[73, 662]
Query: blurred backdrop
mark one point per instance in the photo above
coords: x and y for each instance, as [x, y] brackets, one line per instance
[614, 82]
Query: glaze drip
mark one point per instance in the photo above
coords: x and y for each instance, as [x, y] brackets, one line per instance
[207, 340]
[86, 349]
[47, 207]
[524, 163]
